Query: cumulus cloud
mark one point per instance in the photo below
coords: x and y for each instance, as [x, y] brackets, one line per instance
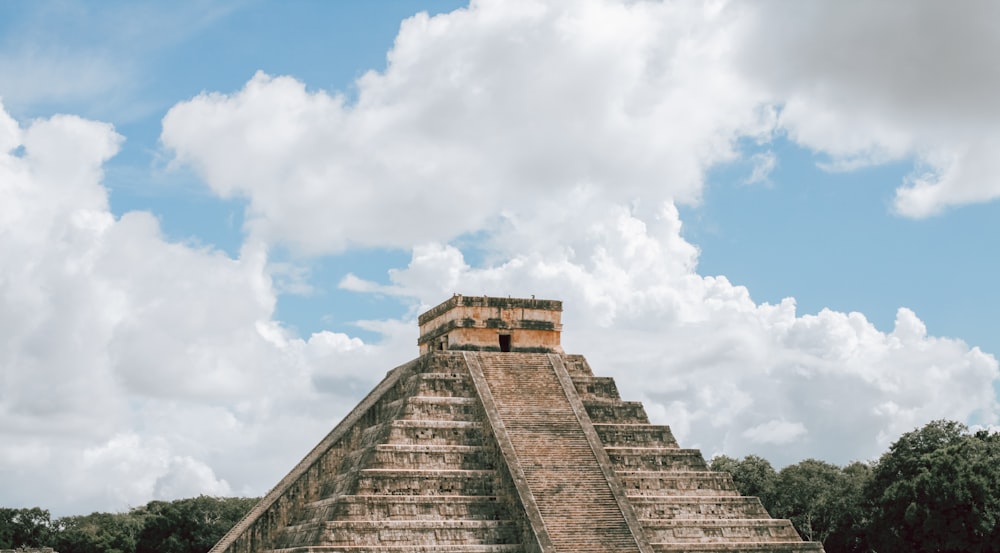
[130, 365]
[495, 108]
[488, 106]
[866, 84]
[728, 374]
[145, 470]
[775, 432]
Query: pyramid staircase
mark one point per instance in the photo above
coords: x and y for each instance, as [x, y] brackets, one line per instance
[482, 452]
[680, 503]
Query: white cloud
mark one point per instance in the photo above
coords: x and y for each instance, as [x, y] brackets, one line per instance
[775, 432]
[869, 83]
[487, 109]
[501, 107]
[730, 375]
[132, 367]
[131, 471]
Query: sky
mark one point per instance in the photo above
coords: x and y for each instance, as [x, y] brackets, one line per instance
[775, 224]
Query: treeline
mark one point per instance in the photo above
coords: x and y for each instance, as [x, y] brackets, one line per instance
[182, 526]
[936, 489]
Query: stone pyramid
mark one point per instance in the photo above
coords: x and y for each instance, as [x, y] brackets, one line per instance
[494, 440]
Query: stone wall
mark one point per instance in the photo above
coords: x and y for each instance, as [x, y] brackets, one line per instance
[477, 323]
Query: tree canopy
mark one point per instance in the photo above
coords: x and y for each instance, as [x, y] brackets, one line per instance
[24, 528]
[937, 489]
[183, 526]
[753, 475]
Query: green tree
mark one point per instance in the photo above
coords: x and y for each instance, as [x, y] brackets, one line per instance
[753, 476]
[824, 502]
[99, 533]
[851, 533]
[25, 528]
[937, 489]
[189, 525]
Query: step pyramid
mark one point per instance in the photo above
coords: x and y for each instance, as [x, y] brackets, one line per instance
[489, 444]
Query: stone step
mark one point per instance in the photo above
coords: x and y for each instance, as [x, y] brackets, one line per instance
[426, 482]
[411, 456]
[572, 494]
[739, 547]
[404, 507]
[708, 531]
[438, 408]
[675, 483]
[442, 362]
[656, 458]
[635, 435]
[437, 548]
[435, 384]
[576, 365]
[698, 507]
[620, 412]
[418, 432]
[420, 532]
[596, 388]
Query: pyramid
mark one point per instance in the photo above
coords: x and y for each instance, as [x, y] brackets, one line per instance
[495, 441]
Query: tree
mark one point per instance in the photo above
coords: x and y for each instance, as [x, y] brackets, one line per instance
[99, 533]
[753, 476]
[824, 502]
[189, 525]
[937, 489]
[851, 533]
[25, 528]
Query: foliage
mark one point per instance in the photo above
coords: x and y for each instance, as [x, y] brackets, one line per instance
[189, 525]
[183, 526]
[24, 528]
[850, 535]
[824, 502]
[99, 532]
[937, 489]
[753, 475]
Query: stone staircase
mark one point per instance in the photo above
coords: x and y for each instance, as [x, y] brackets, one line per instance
[681, 505]
[425, 478]
[573, 496]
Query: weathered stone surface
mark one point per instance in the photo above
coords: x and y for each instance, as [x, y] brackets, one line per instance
[483, 323]
[472, 451]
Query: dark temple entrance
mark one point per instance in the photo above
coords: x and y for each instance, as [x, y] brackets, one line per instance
[505, 342]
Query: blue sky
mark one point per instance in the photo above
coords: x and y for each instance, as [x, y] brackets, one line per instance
[776, 227]
[830, 239]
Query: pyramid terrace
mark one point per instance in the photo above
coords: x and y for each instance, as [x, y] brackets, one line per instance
[495, 441]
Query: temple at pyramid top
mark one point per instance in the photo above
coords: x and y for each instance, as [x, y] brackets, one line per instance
[485, 323]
